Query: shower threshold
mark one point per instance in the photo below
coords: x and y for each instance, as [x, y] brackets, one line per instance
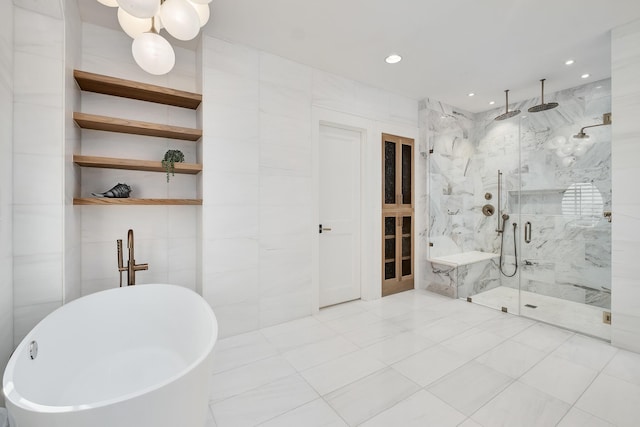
[583, 318]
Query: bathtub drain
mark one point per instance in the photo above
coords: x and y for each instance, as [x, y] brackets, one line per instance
[33, 349]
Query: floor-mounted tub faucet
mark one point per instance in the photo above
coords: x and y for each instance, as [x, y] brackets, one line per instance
[131, 267]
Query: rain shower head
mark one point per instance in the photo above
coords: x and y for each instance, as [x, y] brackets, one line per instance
[581, 135]
[507, 114]
[542, 106]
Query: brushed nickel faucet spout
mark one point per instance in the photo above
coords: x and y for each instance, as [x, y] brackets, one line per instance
[131, 267]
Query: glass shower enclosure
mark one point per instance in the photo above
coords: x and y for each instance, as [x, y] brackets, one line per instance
[541, 246]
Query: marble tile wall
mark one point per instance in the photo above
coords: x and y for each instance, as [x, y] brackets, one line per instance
[165, 236]
[38, 165]
[625, 63]
[257, 213]
[6, 172]
[570, 255]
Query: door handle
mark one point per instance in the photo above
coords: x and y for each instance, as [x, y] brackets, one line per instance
[527, 232]
[321, 228]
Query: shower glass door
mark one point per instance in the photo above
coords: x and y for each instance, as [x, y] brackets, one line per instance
[565, 238]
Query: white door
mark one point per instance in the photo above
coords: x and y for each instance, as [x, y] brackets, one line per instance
[339, 163]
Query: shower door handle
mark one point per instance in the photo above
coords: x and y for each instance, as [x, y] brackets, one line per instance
[527, 232]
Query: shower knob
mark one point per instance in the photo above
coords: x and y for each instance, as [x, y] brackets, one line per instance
[488, 210]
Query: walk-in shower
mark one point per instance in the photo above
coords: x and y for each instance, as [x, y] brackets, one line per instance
[552, 254]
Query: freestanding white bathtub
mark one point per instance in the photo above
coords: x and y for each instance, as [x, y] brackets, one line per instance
[134, 356]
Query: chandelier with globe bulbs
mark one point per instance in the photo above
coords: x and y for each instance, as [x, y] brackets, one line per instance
[142, 20]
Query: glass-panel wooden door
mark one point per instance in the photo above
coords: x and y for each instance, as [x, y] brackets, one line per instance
[397, 214]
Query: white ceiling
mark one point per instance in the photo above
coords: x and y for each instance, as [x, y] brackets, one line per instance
[449, 47]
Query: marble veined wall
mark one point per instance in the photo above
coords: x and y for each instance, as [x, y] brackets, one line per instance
[559, 184]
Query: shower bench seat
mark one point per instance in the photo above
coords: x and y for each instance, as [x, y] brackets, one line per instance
[463, 274]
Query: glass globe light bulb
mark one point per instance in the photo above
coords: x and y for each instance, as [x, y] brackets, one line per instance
[110, 3]
[180, 19]
[131, 25]
[153, 53]
[140, 8]
[202, 10]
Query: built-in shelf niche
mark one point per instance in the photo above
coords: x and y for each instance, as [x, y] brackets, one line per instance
[114, 86]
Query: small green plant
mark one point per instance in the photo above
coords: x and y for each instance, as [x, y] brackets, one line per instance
[171, 157]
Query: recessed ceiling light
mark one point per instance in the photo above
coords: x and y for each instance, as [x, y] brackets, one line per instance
[585, 76]
[393, 59]
[492, 102]
[569, 62]
[471, 94]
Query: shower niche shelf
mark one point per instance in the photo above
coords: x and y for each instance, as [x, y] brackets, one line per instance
[123, 88]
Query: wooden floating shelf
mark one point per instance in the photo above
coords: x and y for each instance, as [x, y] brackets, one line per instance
[135, 90]
[129, 201]
[129, 164]
[112, 124]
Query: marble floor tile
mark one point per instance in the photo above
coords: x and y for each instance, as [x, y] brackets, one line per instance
[469, 423]
[312, 371]
[241, 349]
[398, 347]
[238, 380]
[473, 342]
[339, 372]
[416, 318]
[210, 421]
[476, 314]
[316, 413]
[394, 307]
[317, 353]
[522, 406]
[419, 410]
[371, 395]
[470, 386]
[560, 378]
[578, 418]
[625, 365]
[506, 325]
[543, 337]
[613, 400]
[336, 312]
[431, 364]
[443, 329]
[373, 333]
[351, 322]
[511, 358]
[263, 403]
[589, 352]
[311, 333]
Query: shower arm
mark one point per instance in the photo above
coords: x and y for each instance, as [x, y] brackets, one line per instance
[606, 120]
[593, 126]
